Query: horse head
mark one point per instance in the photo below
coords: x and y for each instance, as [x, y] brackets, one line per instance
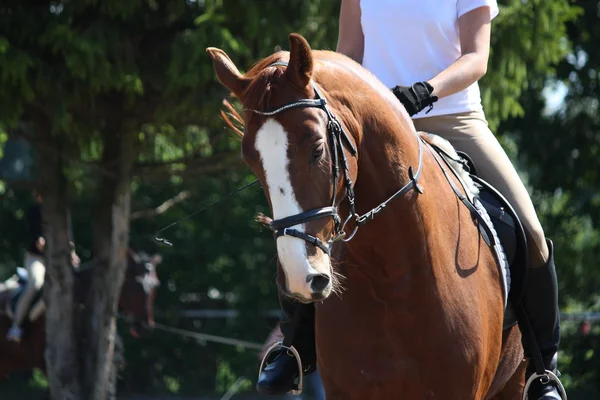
[139, 290]
[304, 157]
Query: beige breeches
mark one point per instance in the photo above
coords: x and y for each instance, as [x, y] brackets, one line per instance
[36, 268]
[469, 132]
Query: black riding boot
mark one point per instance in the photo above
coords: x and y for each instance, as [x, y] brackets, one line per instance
[281, 374]
[540, 300]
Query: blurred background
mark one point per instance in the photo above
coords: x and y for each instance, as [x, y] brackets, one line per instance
[141, 64]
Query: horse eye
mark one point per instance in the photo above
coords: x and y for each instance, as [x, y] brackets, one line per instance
[318, 152]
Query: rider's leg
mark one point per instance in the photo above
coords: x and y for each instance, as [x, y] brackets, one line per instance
[278, 377]
[34, 264]
[469, 132]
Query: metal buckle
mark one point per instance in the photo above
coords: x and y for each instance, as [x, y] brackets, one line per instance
[548, 376]
[279, 345]
[339, 236]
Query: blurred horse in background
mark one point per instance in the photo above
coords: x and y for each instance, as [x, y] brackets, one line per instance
[136, 304]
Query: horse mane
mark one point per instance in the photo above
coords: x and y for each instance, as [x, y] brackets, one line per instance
[233, 118]
[258, 93]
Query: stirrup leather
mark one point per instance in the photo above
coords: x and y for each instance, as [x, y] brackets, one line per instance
[292, 352]
[547, 376]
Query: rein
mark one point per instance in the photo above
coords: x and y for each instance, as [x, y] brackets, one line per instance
[337, 138]
[165, 241]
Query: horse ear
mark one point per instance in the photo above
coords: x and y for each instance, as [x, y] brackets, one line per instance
[133, 255]
[300, 67]
[156, 259]
[227, 72]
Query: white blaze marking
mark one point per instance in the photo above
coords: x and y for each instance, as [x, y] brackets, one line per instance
[272, 146]
[148, 281]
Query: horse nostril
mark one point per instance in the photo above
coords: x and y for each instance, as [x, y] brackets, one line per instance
[318, 282]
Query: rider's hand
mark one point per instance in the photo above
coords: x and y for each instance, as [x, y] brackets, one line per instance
[416, 97]
[40, 244]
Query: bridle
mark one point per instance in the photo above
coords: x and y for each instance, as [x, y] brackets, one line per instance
[337, 136]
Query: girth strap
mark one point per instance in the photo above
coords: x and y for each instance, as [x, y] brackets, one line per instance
[464, 199]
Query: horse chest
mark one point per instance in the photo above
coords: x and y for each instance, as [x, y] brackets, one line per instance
[388, 339]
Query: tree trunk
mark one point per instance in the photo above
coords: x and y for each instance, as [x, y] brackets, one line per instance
[118, 361]
[61, 348]
[111, 237]
[80, 342]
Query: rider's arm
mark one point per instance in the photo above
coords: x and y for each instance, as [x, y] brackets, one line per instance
[350, 34]
[474, 28]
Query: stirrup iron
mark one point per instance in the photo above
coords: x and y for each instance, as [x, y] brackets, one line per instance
[292, 352]
[547, 376]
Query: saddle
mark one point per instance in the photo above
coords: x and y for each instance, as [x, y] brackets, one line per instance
[504, 230]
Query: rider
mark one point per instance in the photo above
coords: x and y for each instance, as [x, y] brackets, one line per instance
[434, 53]
[35, 264]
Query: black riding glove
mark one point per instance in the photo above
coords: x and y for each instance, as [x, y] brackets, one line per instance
[416, 97]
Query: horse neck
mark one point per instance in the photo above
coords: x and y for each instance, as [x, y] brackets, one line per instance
[389, 146]
[386, 137]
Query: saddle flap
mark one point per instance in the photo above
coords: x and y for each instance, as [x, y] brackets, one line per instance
[518, 252]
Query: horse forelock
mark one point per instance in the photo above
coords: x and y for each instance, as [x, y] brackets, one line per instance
[258, 93]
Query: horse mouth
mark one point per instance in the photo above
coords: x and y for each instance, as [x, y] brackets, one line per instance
[315, 297]
[137, 327]
[300, 298]
[133, 331]
[304, 300]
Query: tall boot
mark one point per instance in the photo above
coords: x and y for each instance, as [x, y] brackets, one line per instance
[540, 301]
[281, 374]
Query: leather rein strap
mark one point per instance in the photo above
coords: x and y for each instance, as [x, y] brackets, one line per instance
[337, 138]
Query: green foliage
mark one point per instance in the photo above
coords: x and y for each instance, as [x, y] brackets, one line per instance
[561, 154]
[528, 40]
[3, 139]
[92, 67]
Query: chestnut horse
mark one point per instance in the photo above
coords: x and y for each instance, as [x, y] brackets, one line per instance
[136, 303]
[418, 301]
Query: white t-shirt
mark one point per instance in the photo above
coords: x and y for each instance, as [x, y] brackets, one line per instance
[408, 41]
